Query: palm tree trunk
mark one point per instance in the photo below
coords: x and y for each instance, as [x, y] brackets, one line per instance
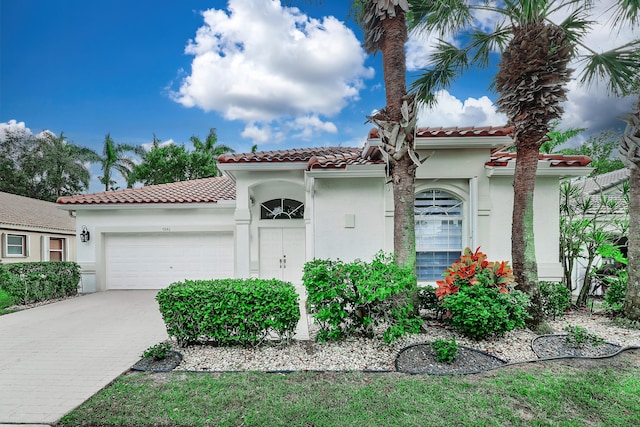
[631, 307]
[523, 253]
[402, 168]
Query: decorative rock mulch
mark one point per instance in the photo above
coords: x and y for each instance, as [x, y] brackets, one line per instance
[549, 346]
[421, 359]
[167, 364]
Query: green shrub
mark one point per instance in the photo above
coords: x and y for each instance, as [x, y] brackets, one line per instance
[158, 351]
[556, 299]
[480, 310]
[578, 337]
[429, 300]
[353, 298]
[616, 292]
[229, 311]
[446, 351]
[40, 281]
[5, 300]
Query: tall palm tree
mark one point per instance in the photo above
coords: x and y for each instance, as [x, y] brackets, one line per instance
[385, 31]
[531, 85]
[210, 145]
[630, 154]
[114, 157]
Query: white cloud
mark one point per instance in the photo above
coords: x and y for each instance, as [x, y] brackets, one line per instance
[450, 111]
[312, 125]
[259, 62]
[147, 146]
[15, 127]
[256, 133]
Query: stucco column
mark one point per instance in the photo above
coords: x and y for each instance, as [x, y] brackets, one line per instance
[243, 247]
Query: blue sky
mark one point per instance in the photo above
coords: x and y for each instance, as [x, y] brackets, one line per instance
[256, 70]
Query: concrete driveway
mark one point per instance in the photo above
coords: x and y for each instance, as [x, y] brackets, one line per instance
[54, 357]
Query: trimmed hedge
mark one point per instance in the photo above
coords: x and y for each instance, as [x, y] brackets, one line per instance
[31, 282]
[353, 298]
[229, 311]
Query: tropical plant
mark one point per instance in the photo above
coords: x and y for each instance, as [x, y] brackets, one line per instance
[473, 268]
[446, 351]
[209, 149]
[114, 156]
[578, 337]
[601, 149]
[556, 299]
[531, 84]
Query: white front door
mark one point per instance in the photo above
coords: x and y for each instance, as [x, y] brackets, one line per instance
[282, 254]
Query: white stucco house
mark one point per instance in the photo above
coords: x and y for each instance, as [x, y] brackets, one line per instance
[273, 211]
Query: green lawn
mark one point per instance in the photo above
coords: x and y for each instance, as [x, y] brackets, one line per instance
[551, 393]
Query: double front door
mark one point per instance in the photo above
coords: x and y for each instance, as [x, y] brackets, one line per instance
[282, 254]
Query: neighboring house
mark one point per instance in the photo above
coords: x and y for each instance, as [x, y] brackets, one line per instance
[614, 217]
[35, 230]
[273, 211]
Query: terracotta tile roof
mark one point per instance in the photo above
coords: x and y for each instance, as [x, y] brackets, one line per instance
[501, 158]
[455, 131]
[206, 190]
[32, 213]
[284, 156]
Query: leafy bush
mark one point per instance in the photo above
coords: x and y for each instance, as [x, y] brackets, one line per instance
[158, 351]
[556, 299]
[5, 300]
[229, 311]
[40, 281]
[479, 298]
[429, 300]
[480, 311]
[578, 337]
[616, 292]
[353, 298]
[446, 351]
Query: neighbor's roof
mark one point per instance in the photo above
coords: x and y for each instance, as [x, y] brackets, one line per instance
[26, 213]
[603, 182]
[206, 190]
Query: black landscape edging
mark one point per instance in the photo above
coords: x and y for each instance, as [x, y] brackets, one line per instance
[467, 348]
[142, 369]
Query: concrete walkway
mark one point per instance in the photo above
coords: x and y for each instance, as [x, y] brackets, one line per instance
[54, 357]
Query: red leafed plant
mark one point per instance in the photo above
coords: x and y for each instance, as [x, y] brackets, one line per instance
[473, 268]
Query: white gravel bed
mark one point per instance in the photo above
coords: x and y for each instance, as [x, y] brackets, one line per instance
[374, 354]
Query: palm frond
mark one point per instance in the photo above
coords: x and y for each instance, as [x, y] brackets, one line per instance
[447, 17]
[620, 67]
[576, 26]
[483, 43]
[447, 63]
[625, 11]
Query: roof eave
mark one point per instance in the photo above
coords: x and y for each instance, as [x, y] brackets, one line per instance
[220, 204]
[556, 171]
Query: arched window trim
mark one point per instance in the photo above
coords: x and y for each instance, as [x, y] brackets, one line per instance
[281, 208]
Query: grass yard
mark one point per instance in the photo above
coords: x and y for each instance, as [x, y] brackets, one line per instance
[560, 393]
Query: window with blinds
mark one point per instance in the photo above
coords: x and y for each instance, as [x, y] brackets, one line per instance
[438, 220]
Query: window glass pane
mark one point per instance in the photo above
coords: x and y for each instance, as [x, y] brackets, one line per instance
[55, 244]
[15, 244]
[439, 217]
[56, 249]
[14, 240]
[282, 209]
[55, 256]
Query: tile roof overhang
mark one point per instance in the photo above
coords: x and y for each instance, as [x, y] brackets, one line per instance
[198, 191]
[503, 164]
[456, 137]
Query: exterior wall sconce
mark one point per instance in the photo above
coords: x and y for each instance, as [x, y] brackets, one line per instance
[85, 236]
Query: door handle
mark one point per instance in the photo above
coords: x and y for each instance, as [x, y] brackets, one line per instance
[284, 261]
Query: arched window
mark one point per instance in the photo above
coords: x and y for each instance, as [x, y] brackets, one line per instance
[282, 209]
[438, 233]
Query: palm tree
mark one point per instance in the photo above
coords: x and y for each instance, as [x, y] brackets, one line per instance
[210, 145]
[114, 156]
[630, 154]
[385, 31]
[531, 85]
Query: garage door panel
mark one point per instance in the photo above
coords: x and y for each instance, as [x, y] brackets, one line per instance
[155, 261]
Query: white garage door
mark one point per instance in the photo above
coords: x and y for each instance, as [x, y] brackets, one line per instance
[154, 261]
